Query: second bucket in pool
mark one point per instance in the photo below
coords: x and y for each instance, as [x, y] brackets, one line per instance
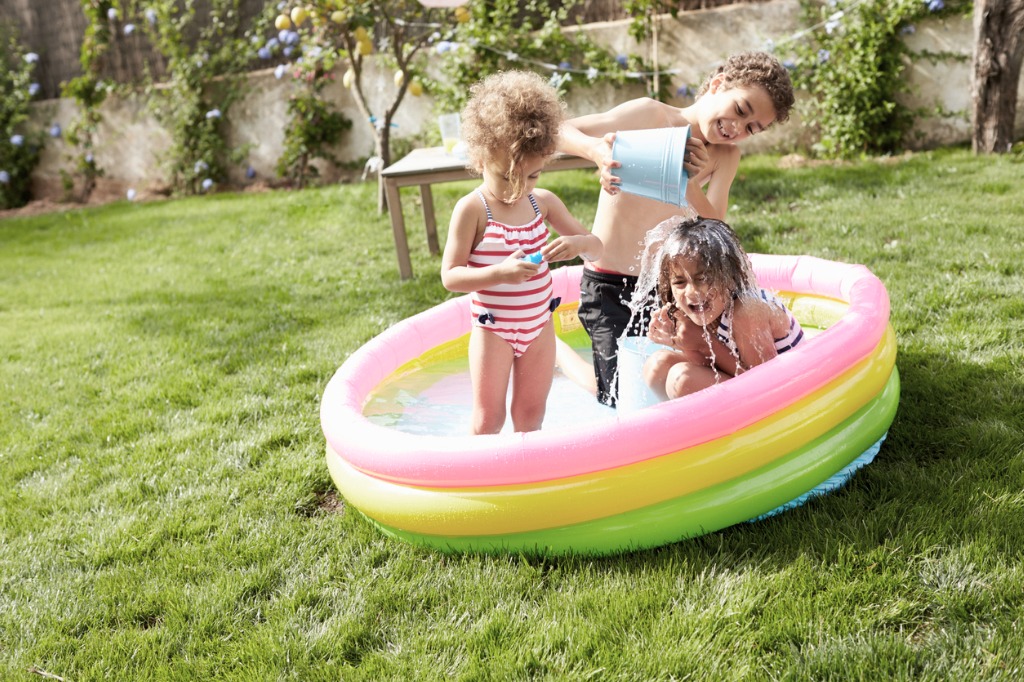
[652, 163]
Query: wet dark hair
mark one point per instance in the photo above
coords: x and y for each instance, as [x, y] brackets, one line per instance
[757, 69]
[712, 243]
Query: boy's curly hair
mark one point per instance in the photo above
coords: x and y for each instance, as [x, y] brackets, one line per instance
[511, 115]
[760, 69]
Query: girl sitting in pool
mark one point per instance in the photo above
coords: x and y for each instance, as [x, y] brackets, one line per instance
[498, 249]
[715, 318]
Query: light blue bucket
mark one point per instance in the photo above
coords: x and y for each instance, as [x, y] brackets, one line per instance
[652, 163]
[634, 393]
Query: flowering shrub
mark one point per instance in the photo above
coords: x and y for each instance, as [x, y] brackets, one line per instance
[315, 126]
[206, 58]
[853, 68]
[88, 91]
[307, 35]
[19, 150]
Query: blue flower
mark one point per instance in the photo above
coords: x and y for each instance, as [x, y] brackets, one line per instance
[908, 30]
[112, 14]
[443, 46]
[823, 55]
[213, 113]
[273, 43]
[151, 16]
[89, 158]
[200, 167]
[565, 66]
[287, 51]
[129, 29]
[5, 177]
[130, 194]
[55, 130]
[622, 60]
[263, 53]
[250, 172]
[684, 91]
[17, 140]
[207, 184]
[31, 57]
[935, 5]
[33, 89]
[280, 71]
[789, 64]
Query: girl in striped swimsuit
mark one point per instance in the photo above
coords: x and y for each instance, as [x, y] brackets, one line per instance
[498, 248]
[716, 319]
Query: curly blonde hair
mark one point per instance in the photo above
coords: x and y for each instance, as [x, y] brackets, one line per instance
[510, 116]
[758, 69]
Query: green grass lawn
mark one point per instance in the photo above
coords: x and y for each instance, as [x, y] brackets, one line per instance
[166, 510]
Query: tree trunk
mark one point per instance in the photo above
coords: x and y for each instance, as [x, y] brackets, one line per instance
[384, 152]
[998, 51]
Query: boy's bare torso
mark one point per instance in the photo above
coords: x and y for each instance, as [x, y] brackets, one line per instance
[622, 222]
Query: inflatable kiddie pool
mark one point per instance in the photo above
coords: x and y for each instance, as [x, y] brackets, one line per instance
[752, 446]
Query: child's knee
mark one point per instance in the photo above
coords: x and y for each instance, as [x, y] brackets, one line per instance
[685, 378]
[656, 368]
[488, 421]
[528, 417]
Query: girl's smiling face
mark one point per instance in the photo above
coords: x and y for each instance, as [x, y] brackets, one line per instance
[728, 115]
[695, 292]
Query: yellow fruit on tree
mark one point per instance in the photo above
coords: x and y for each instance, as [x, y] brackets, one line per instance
[365, 47]
[349, 78]
[461, 15]
[338, 17]
[415, 88]
[399, 78]
[282, 22]
[299, 16]
[360, 33]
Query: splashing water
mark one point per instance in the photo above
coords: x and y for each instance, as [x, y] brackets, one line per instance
[710, 241]
[645, 293]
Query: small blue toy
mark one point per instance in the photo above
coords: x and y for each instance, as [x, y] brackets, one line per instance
[534, 258]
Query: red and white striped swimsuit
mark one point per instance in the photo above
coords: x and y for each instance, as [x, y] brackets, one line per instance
[515, 312]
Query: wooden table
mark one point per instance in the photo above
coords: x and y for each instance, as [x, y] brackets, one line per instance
[425, 167]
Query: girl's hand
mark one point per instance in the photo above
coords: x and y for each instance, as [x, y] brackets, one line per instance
[663, 327]
[566, 247]
[695, 158]
[514, 269]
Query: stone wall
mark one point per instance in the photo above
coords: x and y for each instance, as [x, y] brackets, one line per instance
[130, 142]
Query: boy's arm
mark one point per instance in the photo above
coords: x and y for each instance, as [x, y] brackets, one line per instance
[591, 136]
[725, 160]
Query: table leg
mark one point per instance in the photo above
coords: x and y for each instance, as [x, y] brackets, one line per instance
[398, 227]
[428, 218]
